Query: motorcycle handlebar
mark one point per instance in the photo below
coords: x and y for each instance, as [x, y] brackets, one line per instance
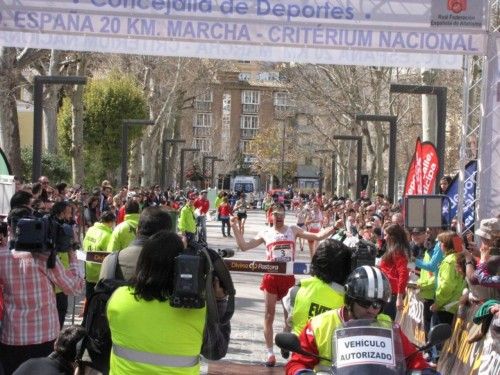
[226, 253]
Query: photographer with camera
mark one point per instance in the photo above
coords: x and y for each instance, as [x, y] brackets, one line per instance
[124, 265]
[30, 321]
[61, 215]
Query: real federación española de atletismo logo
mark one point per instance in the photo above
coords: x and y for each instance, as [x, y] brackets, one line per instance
[457, 6]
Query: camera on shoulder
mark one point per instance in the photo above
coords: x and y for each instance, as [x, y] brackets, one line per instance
[190, 278]
[42, 234]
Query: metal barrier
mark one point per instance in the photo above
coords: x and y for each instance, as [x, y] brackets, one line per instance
[457, 355]
[411, 319]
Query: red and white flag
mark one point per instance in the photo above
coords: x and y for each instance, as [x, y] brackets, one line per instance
[423, 170]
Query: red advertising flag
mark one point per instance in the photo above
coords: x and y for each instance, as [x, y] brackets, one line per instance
[423, 170]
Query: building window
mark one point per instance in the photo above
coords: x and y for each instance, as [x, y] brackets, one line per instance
[245, 147]
[250, 100]
[249, 125]
[204, 144]
[202, 125]
[282, 101]
[204, 101]
[203, 120]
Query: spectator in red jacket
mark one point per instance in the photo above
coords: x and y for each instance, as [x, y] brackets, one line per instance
[225, 212]
[394, 265]
[202, 205]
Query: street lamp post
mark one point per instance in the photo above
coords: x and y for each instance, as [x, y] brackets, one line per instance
[183, 151]
[204, 166]
[332, 167]
[38, 114]
[213, 170]
[125, 124]
[440, 93]
[321, 174]
[359, 141]
[392, 120]
[282, 153]
[163, 176]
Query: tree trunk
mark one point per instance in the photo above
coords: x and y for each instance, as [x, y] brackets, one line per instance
[9, 123]
[429, 109]
[380, 160]
[77, 157]
[50, 105]
[134, 171]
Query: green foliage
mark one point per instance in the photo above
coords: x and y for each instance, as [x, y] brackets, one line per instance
[55, 167]
[107, 102]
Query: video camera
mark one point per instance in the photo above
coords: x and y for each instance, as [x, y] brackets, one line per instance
[42, 234]
[363, 254]
[191, 272]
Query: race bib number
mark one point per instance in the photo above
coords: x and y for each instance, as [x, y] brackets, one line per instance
[282, 253]
[361, 346]
[315, 226]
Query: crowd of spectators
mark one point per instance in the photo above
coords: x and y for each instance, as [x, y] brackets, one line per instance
[450, 269]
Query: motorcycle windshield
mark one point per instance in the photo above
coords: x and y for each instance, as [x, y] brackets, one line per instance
[368, 347]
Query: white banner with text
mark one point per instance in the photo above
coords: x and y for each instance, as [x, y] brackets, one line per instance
[418, 33]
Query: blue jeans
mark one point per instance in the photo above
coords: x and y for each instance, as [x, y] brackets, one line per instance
[225, 222]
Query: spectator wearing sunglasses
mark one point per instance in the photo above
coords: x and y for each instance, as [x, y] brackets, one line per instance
[367, 290]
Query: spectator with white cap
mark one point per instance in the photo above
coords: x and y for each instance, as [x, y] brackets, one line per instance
[489, 234]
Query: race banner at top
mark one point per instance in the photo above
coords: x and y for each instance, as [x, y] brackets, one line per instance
[429, 31]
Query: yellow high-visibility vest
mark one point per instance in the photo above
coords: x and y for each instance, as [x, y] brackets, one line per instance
[151, 337]
[314, 297]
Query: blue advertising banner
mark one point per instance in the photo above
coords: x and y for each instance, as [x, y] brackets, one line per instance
[469, 193]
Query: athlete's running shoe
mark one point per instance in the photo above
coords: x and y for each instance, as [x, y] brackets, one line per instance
[271, 360]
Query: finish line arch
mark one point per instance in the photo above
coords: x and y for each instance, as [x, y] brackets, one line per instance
[401, 33]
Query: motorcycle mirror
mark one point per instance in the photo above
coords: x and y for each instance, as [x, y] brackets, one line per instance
[439, 333]
[290, 342]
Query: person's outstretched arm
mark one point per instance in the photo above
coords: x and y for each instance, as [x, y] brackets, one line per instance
[240, 241]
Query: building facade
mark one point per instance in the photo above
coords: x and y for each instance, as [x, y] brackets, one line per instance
[228, 114]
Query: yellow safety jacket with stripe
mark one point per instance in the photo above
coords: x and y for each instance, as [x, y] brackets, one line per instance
[96, 239]
[151, 337]
[314, 297]
[324, 327]
[426, 282]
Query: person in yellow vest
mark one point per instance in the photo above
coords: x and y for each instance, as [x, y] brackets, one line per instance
[125, 232]
[149, 336]
[366, 291]
[187, 219]
[324, 291]
[97, 239]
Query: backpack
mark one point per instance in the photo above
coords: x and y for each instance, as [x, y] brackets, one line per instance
[97, 344]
